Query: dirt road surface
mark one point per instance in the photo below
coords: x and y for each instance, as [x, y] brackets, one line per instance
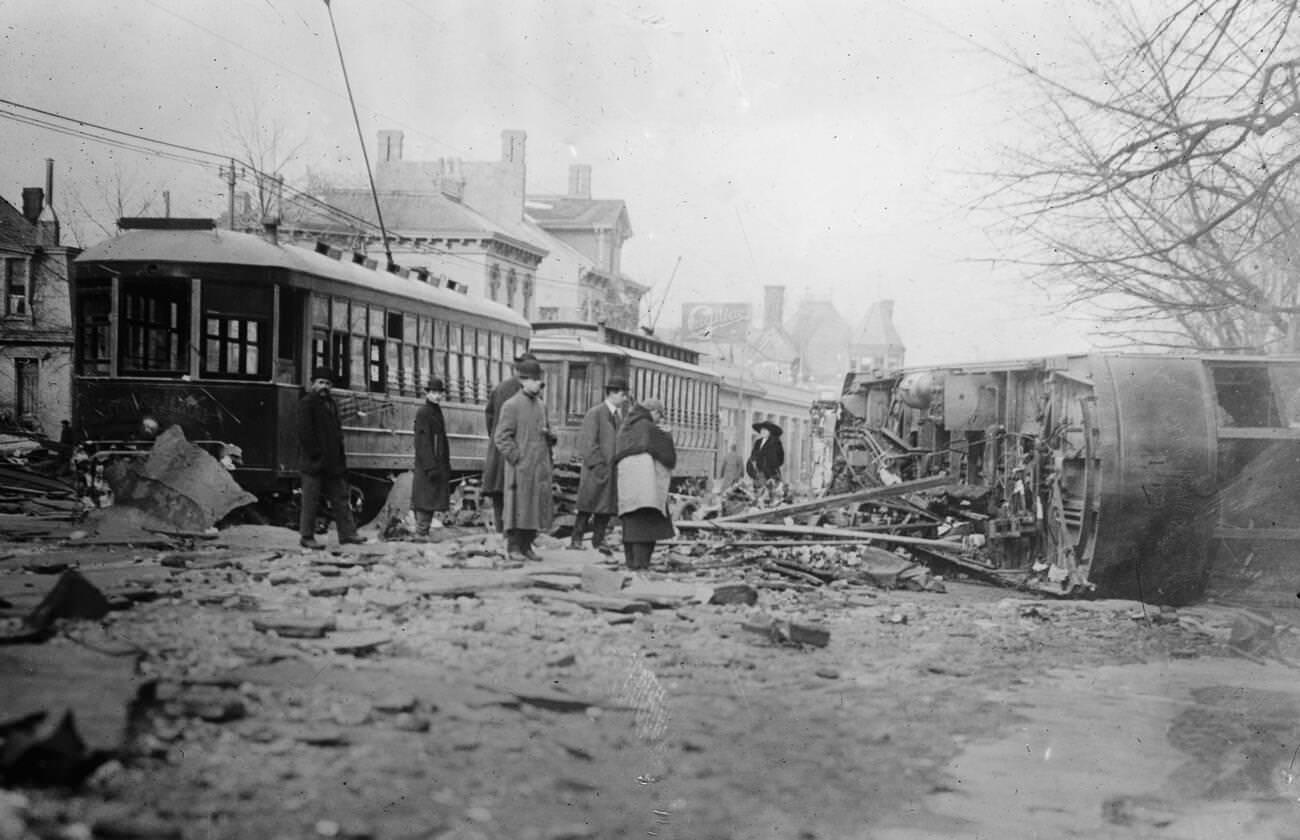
[477, 702]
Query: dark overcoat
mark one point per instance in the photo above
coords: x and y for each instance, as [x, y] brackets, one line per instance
[596, 485]
[766, 459]
[430, 488]
[320, 437]
[493, 465]
[523, 437]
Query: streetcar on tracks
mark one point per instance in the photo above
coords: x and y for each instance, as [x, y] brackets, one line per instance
[579, 358]
[178, 322]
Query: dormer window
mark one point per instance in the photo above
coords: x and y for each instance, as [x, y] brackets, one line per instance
[17, 288]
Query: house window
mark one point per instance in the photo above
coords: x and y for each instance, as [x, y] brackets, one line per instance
[27, 376]
[548, 313]
[494, 283]
[528, 296]
[16, 288]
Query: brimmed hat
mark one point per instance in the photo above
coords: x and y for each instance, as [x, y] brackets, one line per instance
[616, 383]
[770, 426]
[322, 373]
[436, 384]
[525, 357]
[652, 404]
[528, 370]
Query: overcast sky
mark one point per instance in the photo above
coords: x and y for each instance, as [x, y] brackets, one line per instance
[820, 145]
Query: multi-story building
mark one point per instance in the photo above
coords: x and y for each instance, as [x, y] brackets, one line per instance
[35, 314]
[471, 225]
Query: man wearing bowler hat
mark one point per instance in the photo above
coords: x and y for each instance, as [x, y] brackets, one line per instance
[597, 498]
[493, 485]
[768, 455]
[322, 464]
[431, 484]
[523, 437]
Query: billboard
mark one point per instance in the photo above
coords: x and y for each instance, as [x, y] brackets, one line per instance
[716, 321]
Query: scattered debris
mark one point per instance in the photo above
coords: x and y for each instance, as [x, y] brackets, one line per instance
[782, 631]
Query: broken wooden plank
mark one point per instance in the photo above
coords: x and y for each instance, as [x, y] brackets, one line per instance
[814, 531]
[827, 502]
[597, 603]
[788, 632]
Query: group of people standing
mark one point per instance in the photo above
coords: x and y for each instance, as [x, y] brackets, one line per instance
[627, 461]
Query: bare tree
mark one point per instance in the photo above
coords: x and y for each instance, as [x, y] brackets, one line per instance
[266, 147]
[90, 208]
[1162, 192]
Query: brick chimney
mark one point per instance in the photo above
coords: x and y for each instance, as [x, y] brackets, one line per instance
[33, 201]
[390, 145]
[580, 180]
[774, 307]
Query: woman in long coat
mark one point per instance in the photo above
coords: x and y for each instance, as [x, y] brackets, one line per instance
[644, 457]
[431, 484]
[523, 436]
[768, 455]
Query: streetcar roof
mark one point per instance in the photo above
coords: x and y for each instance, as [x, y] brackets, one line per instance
[225, 247]
[583, 344]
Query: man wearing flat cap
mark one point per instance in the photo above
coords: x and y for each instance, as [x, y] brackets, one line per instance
[523, 437]
[430, 487]
[597, 497]
[322, 464]
[493, 484]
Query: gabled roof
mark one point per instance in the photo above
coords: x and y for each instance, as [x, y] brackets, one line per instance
[14, 227]
[565, 212]
[416, 215]
[877, 328]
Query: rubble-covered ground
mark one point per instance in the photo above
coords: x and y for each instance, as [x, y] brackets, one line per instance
[244, 688]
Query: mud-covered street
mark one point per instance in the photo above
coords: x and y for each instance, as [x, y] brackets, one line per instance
[399, 690]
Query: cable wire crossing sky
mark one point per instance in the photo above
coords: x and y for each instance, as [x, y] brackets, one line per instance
[825, 147]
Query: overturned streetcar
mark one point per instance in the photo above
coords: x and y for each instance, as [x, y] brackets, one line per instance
[180, 323]
[1112, 474]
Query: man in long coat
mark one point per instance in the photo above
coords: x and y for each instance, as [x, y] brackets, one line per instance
[431, 484]
[493, 484]
[597, 497]
[322, 463]
[523, 436]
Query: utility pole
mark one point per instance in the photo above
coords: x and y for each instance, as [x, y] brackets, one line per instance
[229, 175]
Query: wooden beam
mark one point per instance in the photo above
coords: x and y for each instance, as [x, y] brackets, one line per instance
[828, 502]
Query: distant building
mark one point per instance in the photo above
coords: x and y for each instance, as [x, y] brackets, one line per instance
[35, 314]
[596, 229]
[472, 226]
[823, 339]
[877, 345]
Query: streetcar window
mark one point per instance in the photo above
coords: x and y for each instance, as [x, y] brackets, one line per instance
[156, 325]
[320, 311]
[236, 330]
[339, 315]
[521, 347]
[455, 381]
[376, 365]
[576, 394]
[93, 306]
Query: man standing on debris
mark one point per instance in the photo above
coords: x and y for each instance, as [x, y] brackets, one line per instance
[597, 500]
[493, 484]
[321, 462]
[768, 455]
[733, 469]
[523, 437]
[431, 485]
[644, 457]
